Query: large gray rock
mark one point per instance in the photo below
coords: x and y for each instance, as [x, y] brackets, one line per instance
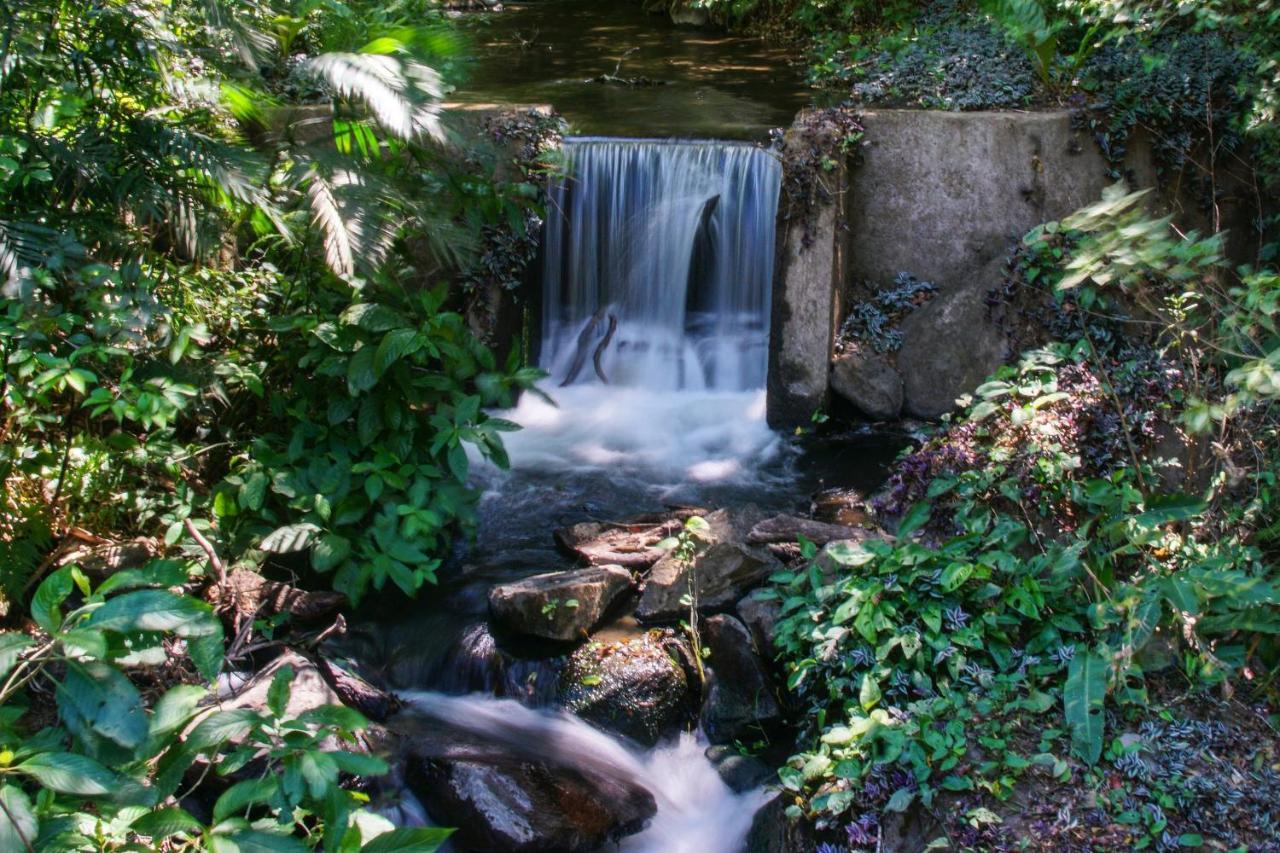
[740, 700]
[632, 544]
[524, 808]
[760, 613]
[559, 605]
[949, 347]
[870, 383]
[773, 832]
[632, 688]
[308, 688]
[726, 568]
[686, 13]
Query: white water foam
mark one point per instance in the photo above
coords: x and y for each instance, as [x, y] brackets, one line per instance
[672, 436]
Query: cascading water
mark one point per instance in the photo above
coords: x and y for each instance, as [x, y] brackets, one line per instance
[659, 260]
[675, 241]
[656, 294]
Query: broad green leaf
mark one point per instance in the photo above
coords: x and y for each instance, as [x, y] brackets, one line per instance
[458, 462]
[1259, 620]
[394, 346]
[174, 709]
[954, 576]
[373, 317]
[68, 773]
[290, 539]
[220, 727]
[18, 824]
[96, 700]
[329, 552]
[206, 652]
[848, 554]
[244, 840]
[49, 596]
[360, 373]
[420, 840]
[914, 519]
[869, 694]
[12, 645]
[243, 794]
[357, 764]
[155, 573]
[1163, 509]
[901, 800]
[254, 491]
[167, 822]
[278, 691]
[1082, 698]
[155, 610]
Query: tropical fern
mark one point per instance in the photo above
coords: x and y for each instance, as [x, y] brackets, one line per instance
[401, 93]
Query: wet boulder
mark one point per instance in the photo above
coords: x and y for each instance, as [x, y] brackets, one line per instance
[727, 567]
[740, 700]
[740, 772]
[760, 612]
[308, 688]
[523, 808]
[870, 383]
[632, 543]
[773, 832]
[633, 688]
[559, 605]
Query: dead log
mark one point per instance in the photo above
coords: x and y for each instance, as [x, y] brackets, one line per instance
[357, 693]
[787, 529]
[584, 339]
[604, 344]
[248, 595]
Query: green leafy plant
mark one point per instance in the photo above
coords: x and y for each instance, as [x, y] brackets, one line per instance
[685, 547]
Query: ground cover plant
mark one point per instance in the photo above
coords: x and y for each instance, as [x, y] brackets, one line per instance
[1094, 531]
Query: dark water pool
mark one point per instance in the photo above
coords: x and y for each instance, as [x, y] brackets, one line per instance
[712, 84]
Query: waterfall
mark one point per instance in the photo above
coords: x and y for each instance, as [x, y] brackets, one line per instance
[671, 243]
[655, 315]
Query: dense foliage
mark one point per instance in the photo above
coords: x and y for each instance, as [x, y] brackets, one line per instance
[227, 242]
[1073, 535]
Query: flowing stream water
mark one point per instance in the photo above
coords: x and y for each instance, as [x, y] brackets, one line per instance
[659, 256]
[697, 812]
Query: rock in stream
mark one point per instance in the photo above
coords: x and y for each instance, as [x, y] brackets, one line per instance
[726, 569]
[559, 605]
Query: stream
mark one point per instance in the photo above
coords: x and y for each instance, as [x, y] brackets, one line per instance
[654, 334]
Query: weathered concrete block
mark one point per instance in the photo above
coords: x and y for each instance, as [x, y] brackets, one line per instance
[807, 283]
[944, 196]
[870, 382]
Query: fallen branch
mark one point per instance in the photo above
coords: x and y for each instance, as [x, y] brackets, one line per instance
[604, 344]
[207, 547]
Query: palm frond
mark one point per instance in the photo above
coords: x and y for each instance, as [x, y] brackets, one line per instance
[25, 245]
[403, 94]
[354, 213]
[252, 45]
[326, 213]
